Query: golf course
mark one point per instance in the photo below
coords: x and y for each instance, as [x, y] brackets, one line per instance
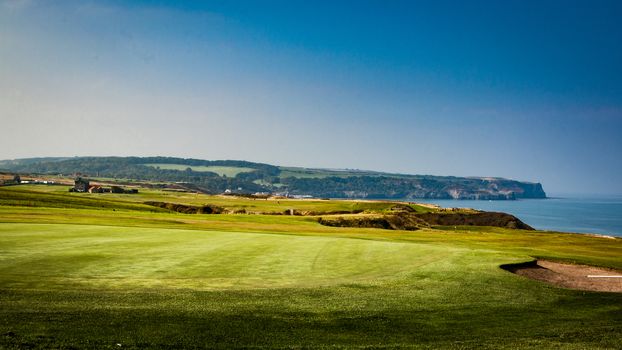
[106, 270]
[319, 175]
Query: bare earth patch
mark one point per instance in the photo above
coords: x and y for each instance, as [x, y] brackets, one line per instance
[582, 277]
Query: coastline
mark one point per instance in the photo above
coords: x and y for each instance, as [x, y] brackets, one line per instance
[587, 214]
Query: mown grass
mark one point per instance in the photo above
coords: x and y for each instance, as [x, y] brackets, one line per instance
[94, 278]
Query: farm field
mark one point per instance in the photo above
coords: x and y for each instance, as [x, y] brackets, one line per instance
[318, 173]
[86, 270]
[310, 173]
[229, 171]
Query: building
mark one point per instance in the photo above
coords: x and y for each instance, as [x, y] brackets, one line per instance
[96, 189]
[81, 185]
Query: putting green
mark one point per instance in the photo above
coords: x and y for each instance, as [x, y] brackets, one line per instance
[94, 286]
[43, 255]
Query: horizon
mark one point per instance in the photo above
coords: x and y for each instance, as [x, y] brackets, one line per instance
[549, 195]
[529, 91]
[280, 165]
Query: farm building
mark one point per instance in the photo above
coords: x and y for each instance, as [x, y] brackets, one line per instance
[96, 189]
[83, 185]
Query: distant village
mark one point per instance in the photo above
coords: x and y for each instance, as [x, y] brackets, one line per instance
[81, 185]
[17, 180]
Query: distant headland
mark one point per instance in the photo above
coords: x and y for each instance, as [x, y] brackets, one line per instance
[242, 177]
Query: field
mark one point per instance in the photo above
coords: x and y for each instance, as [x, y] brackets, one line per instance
[310, 173]
[106, 271]
[229, 171]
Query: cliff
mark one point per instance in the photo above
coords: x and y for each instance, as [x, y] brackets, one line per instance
[415, 221]
[247, 177]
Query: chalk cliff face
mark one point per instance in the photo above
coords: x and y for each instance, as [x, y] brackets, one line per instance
[257, 177]
[416, 187]
[497, 189]
[531, 190]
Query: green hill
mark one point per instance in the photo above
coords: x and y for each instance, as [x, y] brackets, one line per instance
[248, 177]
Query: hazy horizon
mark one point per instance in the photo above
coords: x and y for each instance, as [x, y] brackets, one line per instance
[530, 91]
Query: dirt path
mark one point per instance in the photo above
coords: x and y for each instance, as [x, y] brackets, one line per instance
[572, 276]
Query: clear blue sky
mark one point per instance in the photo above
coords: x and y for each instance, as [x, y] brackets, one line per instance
[529, 90]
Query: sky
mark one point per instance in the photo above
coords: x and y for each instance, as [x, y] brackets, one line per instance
[527, 90]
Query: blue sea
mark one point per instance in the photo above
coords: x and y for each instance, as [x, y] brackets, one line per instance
[565, 213]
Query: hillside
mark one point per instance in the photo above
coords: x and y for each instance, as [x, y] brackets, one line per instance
[247, 177]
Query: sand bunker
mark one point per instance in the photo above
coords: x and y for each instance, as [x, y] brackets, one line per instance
[572, 276]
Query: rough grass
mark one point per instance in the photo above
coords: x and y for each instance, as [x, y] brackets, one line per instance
[31, 196]
[94, 278]
[58, 196]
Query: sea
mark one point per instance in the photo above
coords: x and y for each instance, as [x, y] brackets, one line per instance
[596, 214]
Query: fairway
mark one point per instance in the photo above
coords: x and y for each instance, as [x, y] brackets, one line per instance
[97, 270]
[310, 175]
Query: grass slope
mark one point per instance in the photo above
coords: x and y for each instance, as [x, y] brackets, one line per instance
[91, 277]
[58, 196]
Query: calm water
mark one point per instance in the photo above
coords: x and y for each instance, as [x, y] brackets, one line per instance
[586, 214]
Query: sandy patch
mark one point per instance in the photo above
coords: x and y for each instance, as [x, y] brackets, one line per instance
[582, 277]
